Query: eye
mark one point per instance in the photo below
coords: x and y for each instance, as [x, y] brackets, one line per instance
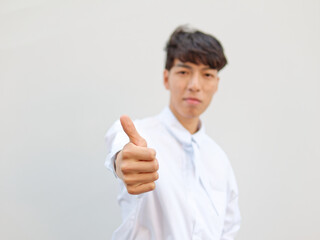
[183, 73]
[209, 75]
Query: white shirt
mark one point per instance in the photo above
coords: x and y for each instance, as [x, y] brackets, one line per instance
[196, 195]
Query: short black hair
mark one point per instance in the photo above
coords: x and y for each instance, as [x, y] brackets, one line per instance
[191, 45]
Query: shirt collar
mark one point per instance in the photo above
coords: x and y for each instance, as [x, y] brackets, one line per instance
[178, 131]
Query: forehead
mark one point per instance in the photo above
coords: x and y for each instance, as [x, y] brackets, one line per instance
[179, 63]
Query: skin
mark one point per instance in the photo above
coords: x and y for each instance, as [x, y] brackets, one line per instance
[191, 87]
[136, 164]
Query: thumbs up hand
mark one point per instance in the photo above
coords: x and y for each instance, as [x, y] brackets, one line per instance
[136, 164]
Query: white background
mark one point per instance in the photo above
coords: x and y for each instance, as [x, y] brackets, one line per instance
[69, 69]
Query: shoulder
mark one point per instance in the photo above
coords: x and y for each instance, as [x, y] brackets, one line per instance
[214, 148]
[216, 158]
[147, 123]
[149, 127]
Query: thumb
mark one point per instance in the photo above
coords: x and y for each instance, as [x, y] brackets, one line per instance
[131, 131]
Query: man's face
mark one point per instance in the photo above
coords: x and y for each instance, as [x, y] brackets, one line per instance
[191, 88]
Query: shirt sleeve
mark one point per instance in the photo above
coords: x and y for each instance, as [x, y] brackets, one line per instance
[115, 139]
[232, 217]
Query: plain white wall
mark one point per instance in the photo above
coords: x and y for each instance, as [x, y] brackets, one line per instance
[69, 69]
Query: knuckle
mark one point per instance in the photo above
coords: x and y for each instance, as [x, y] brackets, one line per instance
[127, 150]
[129, 180]
[155, 165]
[152, 153]
[152, 186]
[125, 179]
[155, 176]
[125, 153]
[131, 190]
[130, 146]
[125, 168]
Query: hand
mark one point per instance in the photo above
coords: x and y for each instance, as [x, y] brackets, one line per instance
[136, 164]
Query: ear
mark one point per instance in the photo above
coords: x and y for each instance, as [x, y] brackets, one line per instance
[166, 78]
[218, 80]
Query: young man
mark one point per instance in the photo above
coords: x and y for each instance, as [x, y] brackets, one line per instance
[176, 182]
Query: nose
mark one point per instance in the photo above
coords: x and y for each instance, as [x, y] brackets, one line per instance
[194, 83]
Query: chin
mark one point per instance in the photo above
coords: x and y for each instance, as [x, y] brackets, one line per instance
[191, 113]
[188, 112]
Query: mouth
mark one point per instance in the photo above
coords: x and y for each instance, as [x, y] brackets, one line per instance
[192, 101]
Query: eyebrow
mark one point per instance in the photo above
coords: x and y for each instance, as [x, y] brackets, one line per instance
[183, 65]
[189, 67]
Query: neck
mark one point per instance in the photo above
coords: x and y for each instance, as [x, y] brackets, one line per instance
[191, 124]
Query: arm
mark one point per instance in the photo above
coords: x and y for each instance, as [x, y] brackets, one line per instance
[232, 216]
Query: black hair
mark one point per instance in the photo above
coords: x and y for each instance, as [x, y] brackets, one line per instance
[192, 45]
